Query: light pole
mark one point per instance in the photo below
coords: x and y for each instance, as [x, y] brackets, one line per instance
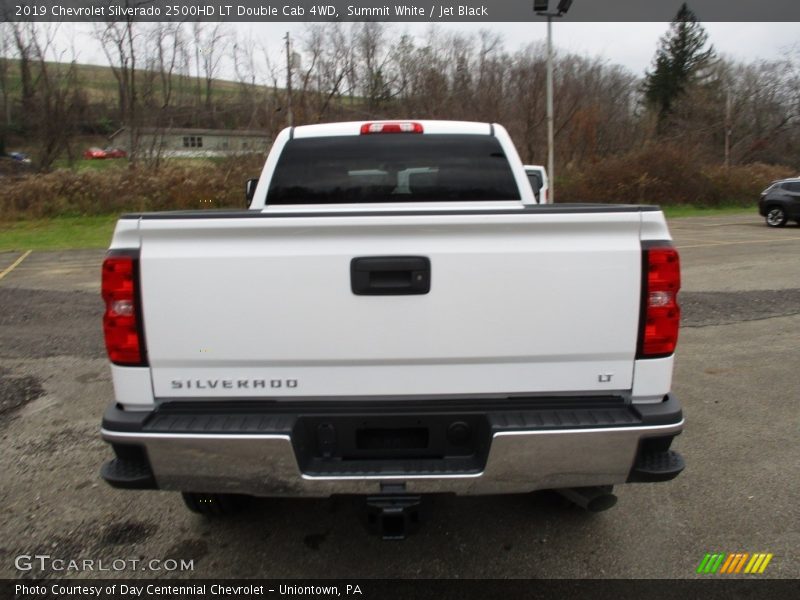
[540, 7]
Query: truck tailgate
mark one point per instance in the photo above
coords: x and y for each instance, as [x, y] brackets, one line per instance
[263, 307]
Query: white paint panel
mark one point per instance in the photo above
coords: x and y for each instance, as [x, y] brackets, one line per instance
[355, 380]
[654, 226]
[133, 387]
[126, 235]
[518, 303]
[652, 379]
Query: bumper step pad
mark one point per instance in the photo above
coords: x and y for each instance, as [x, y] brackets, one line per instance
[656, 466]
[128, 474]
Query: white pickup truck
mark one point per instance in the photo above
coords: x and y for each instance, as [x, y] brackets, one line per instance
[392, 316]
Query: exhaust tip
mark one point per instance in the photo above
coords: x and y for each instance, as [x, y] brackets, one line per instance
[601, 503]
[593, 499]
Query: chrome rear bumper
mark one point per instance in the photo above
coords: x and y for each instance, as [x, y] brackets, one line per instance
[518, 460]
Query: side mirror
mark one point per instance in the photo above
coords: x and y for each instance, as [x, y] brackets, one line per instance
[250, 190]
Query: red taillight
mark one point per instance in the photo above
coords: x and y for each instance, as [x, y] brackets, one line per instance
[121, 326]
[399, 127]
[660, 317]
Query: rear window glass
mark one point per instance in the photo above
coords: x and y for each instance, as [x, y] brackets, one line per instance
[392, 168]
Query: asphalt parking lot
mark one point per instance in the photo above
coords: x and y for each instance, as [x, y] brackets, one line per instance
[736, 375]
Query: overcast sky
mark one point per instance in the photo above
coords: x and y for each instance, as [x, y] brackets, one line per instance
[629, 44]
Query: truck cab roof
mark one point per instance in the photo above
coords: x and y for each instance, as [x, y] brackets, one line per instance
[427, 126]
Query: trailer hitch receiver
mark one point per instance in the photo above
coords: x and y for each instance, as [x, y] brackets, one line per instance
[393, 516]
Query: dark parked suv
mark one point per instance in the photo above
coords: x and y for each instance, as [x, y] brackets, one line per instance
[781, 202]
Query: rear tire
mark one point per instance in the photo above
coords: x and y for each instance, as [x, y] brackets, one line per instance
[214, 505]
[776, 217]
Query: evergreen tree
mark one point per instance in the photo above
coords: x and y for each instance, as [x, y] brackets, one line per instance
[679, 59]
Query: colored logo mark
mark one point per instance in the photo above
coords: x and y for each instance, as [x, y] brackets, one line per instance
[739, 562]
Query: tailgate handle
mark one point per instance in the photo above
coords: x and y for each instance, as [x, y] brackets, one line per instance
[390, 275]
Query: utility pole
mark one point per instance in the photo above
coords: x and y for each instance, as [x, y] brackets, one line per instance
[289, 115]
[541, 9]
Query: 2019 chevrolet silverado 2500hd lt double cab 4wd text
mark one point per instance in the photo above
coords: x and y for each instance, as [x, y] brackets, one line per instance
[393, 316]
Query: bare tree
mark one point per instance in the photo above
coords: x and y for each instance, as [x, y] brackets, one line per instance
[210, 47]
[766, 113]
[526, 88]
[167, 39]
[493, 69]
[373, 55]
[161, 55]
[246, 70]
[59, 100]
[166, 76]
[312, 44]
[273, 99]
[5, 60]
[460, 57]
[119, 42]
[25, 49]
[334, 63]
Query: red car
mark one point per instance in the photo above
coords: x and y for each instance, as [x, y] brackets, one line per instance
[97, 153]
[94, 153]
[115, 153]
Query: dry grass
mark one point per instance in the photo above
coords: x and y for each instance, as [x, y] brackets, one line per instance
[206, 184]
[657, 175]
[668, 176]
